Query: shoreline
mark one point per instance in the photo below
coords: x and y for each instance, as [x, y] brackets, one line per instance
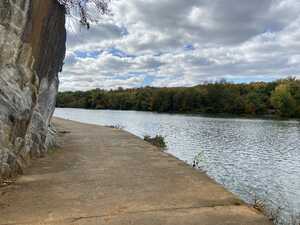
[101, 175]
[208, 115]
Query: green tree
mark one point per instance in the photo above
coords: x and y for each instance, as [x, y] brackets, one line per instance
[283, 101]
[255, 104]
[257, 98]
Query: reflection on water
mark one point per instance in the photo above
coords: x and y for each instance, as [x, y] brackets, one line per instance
[254, 158]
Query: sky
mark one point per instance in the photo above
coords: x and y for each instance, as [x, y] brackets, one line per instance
[168, 43]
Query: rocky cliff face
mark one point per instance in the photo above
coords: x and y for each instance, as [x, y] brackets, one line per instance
[32, 49]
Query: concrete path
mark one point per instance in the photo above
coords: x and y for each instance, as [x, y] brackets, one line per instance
[107, 176]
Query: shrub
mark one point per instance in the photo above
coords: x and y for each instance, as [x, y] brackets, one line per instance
[158, 141]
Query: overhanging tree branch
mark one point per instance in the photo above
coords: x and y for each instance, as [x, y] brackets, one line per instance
[81, 8]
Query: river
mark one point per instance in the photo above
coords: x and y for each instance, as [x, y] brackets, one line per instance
[256, 159]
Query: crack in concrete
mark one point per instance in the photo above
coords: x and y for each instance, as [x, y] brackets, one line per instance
[76, 219]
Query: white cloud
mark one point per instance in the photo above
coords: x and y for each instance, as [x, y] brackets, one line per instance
[182, 43]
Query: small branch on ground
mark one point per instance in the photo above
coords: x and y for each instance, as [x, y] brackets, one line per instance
[6, 182]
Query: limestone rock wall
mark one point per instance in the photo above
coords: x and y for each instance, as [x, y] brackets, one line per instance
[32, 50]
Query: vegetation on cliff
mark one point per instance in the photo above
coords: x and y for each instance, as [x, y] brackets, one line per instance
[281, 98]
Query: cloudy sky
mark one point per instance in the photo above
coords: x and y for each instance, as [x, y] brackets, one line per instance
[184, 43]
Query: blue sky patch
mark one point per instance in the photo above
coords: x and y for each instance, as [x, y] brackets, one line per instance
[88, 54]
[188, 47]
[119, 53]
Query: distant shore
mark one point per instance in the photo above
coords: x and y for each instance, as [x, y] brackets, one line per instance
[276, 100]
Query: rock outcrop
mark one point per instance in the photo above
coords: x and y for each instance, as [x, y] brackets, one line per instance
[32, 50]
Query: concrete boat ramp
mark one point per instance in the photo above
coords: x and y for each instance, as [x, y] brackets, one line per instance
[102, 175]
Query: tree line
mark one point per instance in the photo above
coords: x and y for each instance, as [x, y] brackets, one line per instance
[280, 98]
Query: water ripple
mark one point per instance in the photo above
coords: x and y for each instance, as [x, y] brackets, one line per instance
[254, 158]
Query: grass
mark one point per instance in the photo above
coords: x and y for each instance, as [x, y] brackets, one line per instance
[52, 150]
[158, 141]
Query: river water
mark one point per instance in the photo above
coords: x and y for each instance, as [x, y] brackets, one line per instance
[254, 158]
